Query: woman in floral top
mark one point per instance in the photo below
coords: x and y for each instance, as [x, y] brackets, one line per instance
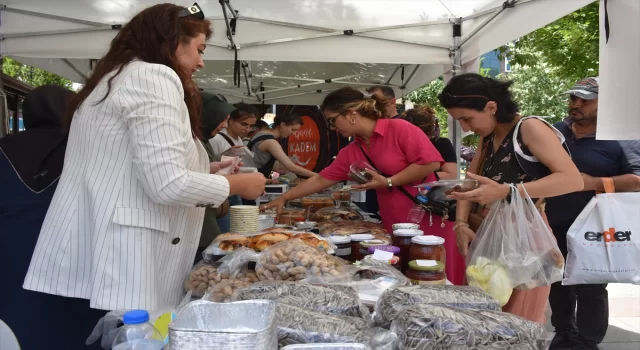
[486, 107]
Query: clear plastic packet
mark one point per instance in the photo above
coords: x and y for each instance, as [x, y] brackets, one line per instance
[294, 260]
[394, 300]
[347, 228]
[332, 214]
[368, 281]
[298, 325]
[337, 300]
[241, 152]
[427, 327]
[514, 248]
[220, 279]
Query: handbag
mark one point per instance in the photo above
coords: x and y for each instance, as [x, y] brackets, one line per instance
[437, 202]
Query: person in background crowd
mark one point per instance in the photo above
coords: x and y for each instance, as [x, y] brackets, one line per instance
[267, 149]
[260, 125]
[386, 93]
[216, 112]
[241, 122]
[424, 117]
[597, 160]
[486, 107]
[30, 165]
[390, 143]
[125, 220]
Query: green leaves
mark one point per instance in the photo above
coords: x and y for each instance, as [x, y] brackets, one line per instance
[31, 75]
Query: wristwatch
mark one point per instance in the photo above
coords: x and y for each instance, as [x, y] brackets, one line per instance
[389, 183]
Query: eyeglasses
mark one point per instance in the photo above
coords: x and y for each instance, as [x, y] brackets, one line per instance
[193, 10]
[332, 121]
[448, 98]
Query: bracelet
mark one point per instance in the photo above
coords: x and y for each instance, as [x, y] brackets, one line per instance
[462, 220]
[460, 224]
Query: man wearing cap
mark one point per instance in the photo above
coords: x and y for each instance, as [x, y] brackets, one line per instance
[586, 326]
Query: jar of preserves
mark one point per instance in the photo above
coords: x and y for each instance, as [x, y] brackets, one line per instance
[426, 272]
[402, 240]
[343, 246]
[365, 245]
[427, 248]
[356, 249]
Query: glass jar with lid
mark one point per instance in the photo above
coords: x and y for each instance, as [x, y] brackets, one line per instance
[343, 246]
[357, 253]
[402, 240]
[427, 248]
[426, 272]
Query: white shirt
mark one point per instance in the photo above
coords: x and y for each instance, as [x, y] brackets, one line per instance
[219, 144]
[124, 224]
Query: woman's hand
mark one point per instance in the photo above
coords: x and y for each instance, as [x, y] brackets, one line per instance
[464, 236]
[377, 181]
[489, 191]
[277, 204]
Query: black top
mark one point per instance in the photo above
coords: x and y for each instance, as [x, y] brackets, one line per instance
[598, 158]
[445, 148]
[502, 166]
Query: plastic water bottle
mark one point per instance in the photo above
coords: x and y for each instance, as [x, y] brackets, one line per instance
[416, 214]
[137, 333]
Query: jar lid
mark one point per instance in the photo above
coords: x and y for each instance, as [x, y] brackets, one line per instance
[426, 265]
[361, 237]
[387, 248]
[374, 242]
[407, 232]
[427, 240]
[339, 239]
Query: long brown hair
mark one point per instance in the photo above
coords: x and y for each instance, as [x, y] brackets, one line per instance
[153, 36]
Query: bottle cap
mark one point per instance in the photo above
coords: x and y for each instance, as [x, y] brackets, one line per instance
[135, 317]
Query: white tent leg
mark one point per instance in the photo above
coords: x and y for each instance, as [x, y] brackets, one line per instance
[4, 114]
[457, 65]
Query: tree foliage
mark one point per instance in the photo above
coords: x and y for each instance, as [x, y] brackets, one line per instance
[570, 45]
[32, 75]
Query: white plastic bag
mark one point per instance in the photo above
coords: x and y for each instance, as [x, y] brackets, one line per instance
[514, 248]
[602, 242]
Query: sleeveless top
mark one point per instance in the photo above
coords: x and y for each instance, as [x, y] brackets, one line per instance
[502, 166]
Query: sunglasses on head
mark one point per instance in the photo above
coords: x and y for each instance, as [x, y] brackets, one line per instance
[193, 10]
[449, 98]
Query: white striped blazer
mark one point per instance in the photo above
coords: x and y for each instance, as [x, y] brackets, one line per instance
[125, 221]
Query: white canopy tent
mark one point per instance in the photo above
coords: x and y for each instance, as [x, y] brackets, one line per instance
[289, 51]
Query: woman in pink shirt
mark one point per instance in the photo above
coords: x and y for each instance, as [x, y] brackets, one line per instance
[398, 149]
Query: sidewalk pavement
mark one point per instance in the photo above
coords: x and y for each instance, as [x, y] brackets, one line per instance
[624, 318]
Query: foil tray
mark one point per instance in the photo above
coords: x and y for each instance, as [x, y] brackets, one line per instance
[242, 325]
[327, 346]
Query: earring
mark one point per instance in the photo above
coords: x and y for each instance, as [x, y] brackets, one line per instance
[353, 121]
[493, 115]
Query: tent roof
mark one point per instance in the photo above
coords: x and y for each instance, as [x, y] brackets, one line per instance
[287, 43]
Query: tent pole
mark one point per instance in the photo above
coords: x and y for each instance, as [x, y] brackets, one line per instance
[4, 115]
[456, 55]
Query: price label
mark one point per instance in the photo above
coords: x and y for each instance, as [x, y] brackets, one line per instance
[427, 263]
[382, 255]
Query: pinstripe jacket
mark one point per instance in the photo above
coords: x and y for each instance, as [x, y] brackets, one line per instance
[125, 221]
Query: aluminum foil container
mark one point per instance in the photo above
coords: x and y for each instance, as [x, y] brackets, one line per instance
[244, 325]
[327, 346]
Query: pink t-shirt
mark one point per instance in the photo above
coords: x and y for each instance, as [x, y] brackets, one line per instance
[395, 144]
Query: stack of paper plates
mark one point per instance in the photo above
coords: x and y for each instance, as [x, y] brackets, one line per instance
[244, 218]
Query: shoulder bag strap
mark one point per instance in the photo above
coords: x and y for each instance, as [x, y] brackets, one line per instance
[226, 137]
[402, 189]
[517, 147]
[258, 139]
